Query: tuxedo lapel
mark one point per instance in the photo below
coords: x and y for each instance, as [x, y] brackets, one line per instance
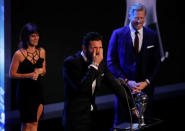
[100, 76]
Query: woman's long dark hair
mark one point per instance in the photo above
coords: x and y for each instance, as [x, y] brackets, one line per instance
[26, 30]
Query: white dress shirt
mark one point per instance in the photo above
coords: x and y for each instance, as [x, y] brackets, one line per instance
[94, 82]
[140, 35]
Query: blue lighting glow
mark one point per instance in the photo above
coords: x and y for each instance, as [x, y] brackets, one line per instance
[2, 92]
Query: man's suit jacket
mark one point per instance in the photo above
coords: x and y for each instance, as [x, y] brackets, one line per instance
[124, 62]
[78, 78]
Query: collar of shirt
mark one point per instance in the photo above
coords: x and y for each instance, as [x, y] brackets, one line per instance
[84, 57]
[132, 30]
[140, 35]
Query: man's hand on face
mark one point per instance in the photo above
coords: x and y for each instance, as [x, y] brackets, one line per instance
[97, 55]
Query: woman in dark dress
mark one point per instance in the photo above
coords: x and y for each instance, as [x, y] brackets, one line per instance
[28, 65]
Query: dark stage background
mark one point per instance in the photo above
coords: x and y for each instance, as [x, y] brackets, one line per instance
[63, 23]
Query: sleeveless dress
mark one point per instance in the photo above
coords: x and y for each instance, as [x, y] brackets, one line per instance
[29, 93]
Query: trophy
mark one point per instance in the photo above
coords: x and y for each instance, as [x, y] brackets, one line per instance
[141, 102]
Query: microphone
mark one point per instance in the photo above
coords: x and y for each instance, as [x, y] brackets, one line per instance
[125, 87]
[128, 95]
[122, 83]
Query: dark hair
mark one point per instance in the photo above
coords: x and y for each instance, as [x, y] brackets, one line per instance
[26, 30]
[91, 36]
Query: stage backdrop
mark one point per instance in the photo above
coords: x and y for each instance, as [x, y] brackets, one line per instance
[62, 25]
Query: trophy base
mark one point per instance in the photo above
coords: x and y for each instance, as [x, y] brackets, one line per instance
[126, 127]
[136, 127]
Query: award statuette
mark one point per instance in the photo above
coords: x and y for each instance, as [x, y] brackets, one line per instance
[141, 102]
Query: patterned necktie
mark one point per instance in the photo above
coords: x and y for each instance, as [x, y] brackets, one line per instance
[136, 42]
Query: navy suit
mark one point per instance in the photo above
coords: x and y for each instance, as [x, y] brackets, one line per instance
[78, 78]
[124, 62]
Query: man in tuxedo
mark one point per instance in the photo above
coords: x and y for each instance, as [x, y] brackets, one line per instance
[83, 74]
[134, 55]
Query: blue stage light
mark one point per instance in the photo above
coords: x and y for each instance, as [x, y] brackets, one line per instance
[2, 92]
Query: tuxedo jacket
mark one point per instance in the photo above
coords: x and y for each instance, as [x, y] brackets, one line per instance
[78, 78]
[124, 62]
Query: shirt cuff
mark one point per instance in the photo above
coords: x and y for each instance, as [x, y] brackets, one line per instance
[92, 65]
[147, 81]
[133, 108]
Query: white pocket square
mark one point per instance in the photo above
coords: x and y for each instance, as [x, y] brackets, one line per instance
[102, 74]
[151, 46]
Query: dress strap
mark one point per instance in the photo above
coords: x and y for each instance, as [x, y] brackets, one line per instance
[32, 56]
[39, 52]
[23, 53]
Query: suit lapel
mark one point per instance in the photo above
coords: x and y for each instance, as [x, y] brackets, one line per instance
[129, 47]
[128, 37]
[144, 42]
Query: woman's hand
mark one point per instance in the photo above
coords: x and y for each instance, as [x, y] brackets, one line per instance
[34, 75]
[39, 71]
